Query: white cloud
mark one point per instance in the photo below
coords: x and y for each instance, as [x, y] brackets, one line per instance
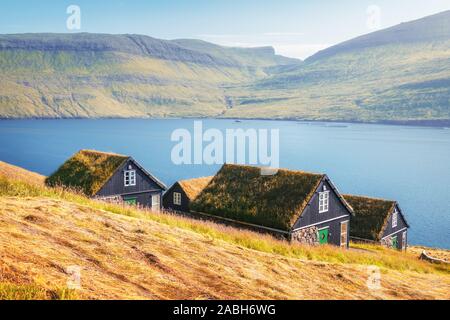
[299, 51]
[284, 34]
[289, 44]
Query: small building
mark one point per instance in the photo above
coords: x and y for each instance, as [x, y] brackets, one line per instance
[302, 207]
[378, 221]
[110, 177]
[180, 195]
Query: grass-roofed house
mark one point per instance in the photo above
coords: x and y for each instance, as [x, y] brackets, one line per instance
[300, 206]
[111, 177]
[180, 195]
[378, 220]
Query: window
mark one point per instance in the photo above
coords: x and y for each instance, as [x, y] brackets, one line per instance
[324, 198]
[156, 203]
[344, 233]
[394, 218]
[177, 198]
[130, 178]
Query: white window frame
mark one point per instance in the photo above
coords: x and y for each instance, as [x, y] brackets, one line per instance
[129, 178]
[177, 198]
[324, 201]
[344, 244]
[395, 219]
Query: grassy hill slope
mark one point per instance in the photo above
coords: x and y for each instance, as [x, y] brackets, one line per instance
[398, 74]
[401, 73]
[125, 253]
[100, 75]
[16, 173]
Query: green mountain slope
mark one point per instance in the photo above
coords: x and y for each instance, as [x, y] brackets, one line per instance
[98, 75]
[398, 74]
[429, 29]
[264, 56]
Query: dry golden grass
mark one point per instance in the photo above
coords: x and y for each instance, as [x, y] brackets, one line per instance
[193, 187]
[16, 173]
[125, 253]
[129, 258]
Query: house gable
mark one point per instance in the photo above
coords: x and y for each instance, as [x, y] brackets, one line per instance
[168, 199]
[338, 208]
[388, 229]
[116, 186]
[87, 171]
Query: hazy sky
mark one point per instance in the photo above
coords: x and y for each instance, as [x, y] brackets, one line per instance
[296, 28]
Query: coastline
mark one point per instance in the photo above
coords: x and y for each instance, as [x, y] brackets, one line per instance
[439, 123]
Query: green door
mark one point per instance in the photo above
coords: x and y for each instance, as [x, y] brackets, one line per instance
[323, 236]
[395, 242]
[130, 201]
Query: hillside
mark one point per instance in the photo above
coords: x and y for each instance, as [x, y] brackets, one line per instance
[101, 75]
[16, 173]
[398, 74]
[125, 253]
[429, 29]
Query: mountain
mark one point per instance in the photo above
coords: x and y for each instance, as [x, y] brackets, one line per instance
[400, 74]
[47, 235]
[101, 75]
[263, 56]
[429, 29]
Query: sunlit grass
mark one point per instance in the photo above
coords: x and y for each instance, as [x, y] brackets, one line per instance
[360, 254]
[10, 291]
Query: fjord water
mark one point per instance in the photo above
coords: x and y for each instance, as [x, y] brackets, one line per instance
[408, 164]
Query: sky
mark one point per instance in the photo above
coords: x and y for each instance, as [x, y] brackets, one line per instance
[295, 28]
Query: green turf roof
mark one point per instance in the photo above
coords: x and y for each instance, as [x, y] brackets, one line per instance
[242, 193]
[370, 216]
[87, 171]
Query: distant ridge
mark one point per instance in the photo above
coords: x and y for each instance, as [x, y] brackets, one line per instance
[174, 50]
[431, 28]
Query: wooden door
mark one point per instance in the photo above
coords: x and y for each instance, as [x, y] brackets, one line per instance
[156, 202]
[323, 236]
[130, 201]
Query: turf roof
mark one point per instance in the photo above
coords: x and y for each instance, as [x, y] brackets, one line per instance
[242, 193]
[193, 187]
[87, 171]
[370, 216]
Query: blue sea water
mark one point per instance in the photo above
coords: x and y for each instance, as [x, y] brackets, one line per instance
[408, 164]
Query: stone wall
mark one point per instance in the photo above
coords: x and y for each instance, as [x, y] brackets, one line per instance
[387, 242]
[306, 236]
